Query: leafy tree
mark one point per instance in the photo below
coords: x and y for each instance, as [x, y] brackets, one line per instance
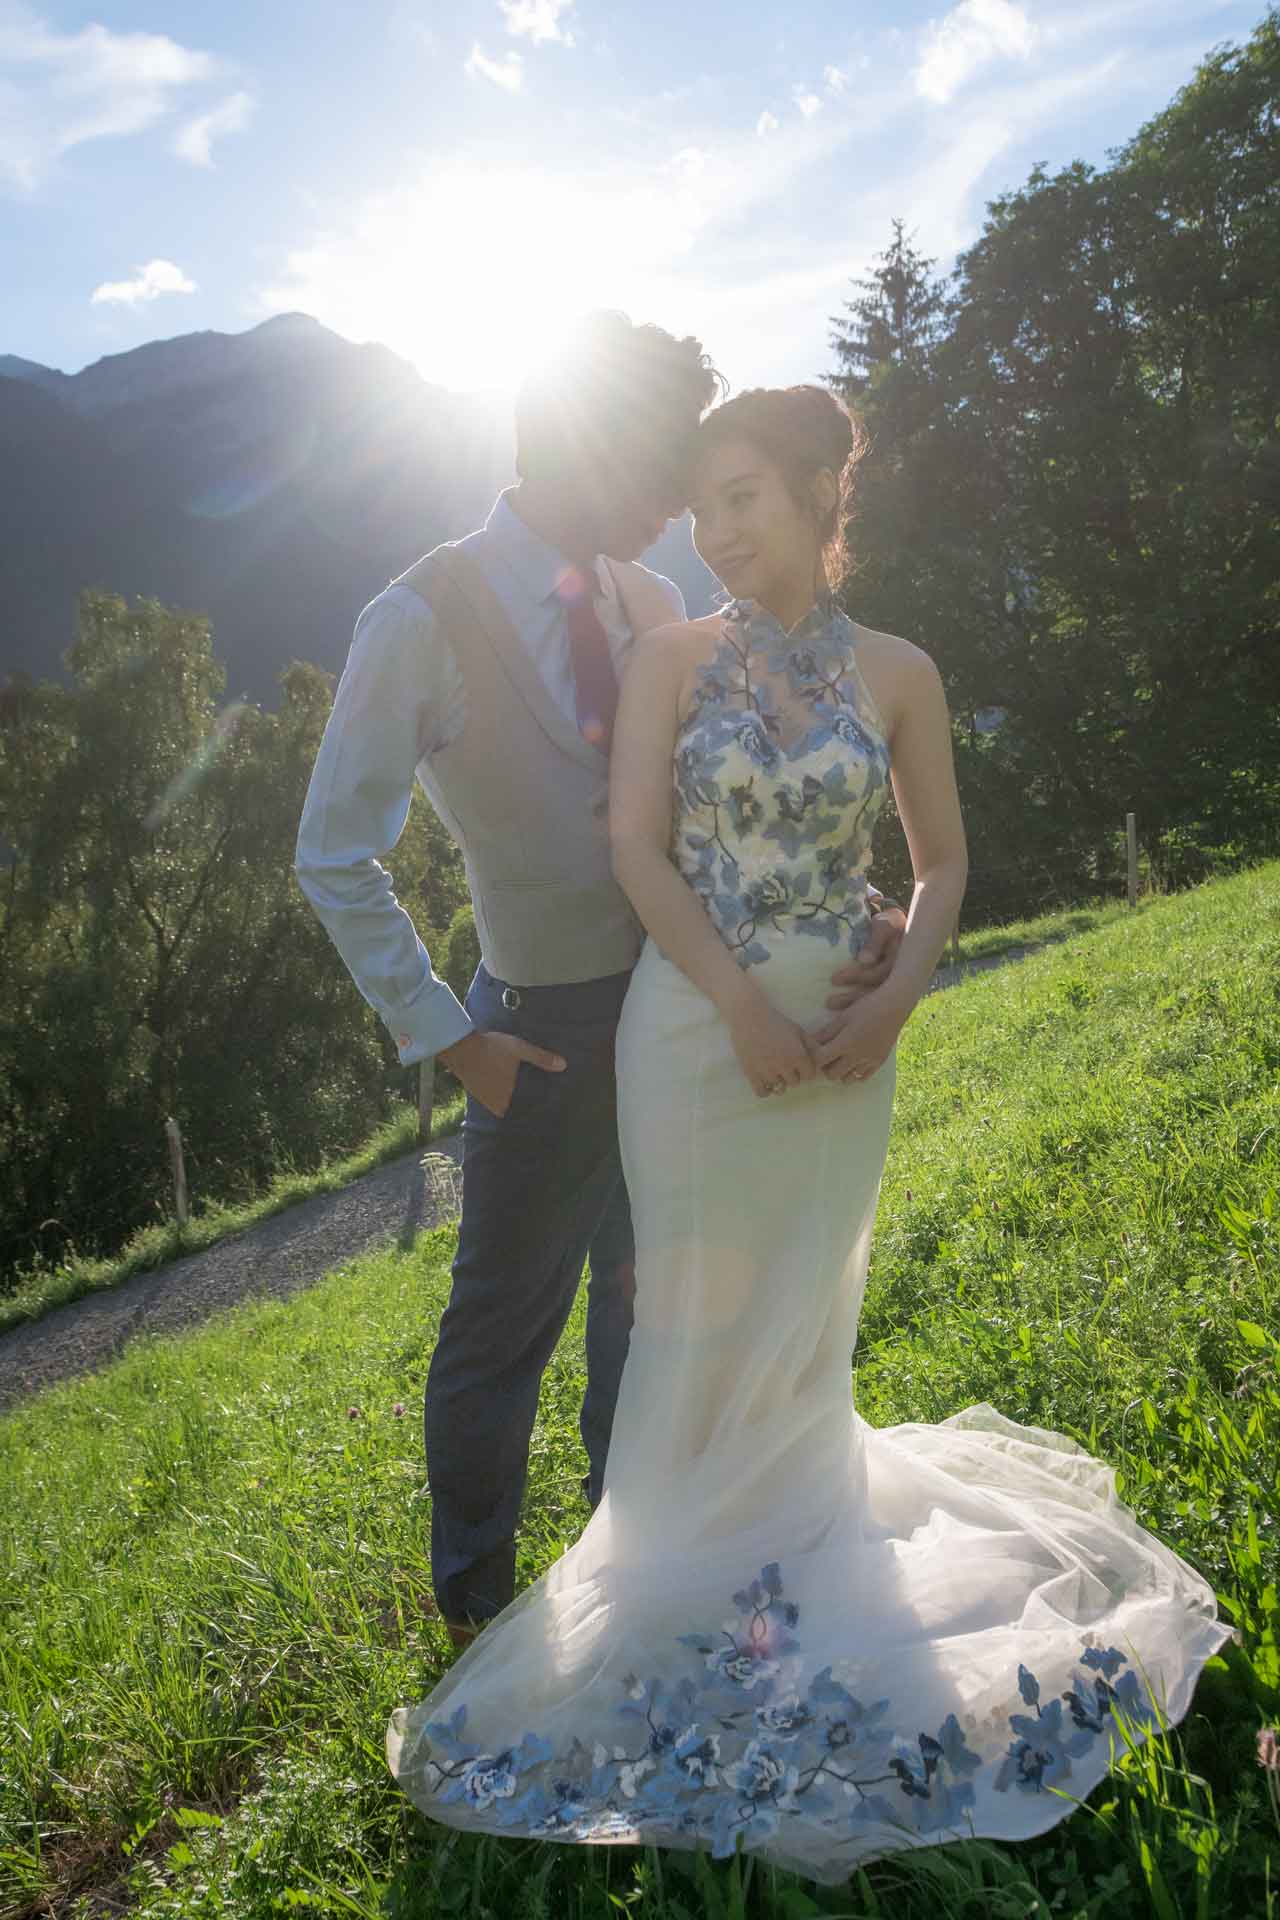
[160, 958]
[1079, 517]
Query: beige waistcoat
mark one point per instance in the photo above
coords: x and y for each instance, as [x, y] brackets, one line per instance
[523, 794]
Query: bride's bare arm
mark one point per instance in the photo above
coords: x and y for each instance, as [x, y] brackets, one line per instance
[854, 1044]
[640, 824]
[924, 788]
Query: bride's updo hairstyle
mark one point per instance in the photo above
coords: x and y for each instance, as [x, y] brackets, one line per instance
[799, 430]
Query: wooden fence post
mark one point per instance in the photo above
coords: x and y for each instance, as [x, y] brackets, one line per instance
[426, 1099]
[173, 1135]
[1131, 836]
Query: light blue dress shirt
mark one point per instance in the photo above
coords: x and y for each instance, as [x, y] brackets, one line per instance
[401, 698]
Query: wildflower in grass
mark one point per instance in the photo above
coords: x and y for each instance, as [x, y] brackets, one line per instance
[397, 1412]
[1269, 1761]
[353, 1413]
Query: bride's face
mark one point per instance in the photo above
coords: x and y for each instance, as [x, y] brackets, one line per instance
[748, 526]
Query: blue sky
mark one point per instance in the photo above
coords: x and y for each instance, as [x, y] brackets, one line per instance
[456, 181]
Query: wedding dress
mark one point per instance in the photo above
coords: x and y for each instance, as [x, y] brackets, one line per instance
[783, 1628]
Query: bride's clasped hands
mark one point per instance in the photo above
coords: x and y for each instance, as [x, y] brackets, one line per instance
[776, 1053]
[850, 1041]
[854, 1044]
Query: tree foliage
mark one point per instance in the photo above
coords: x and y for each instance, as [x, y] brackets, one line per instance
[156, 954]
[1073, 494]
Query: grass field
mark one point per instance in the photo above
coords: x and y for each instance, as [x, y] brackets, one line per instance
[214, 1555]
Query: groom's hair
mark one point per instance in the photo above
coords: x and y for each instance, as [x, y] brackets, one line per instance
[613, 396]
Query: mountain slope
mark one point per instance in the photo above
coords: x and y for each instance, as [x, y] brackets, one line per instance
[275, 479]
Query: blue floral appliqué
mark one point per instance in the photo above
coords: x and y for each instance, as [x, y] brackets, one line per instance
[775, 837]
[736, 1744]
[1043, 1748]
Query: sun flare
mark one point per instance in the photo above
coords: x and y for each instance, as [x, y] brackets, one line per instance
[473, 274]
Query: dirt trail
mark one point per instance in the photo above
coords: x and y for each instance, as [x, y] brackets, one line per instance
[277, 1257]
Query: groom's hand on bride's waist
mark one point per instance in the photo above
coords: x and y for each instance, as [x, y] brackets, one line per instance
[872, 967]
[487, 1065]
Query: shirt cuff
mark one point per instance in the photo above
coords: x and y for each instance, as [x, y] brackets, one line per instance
[436, 1020]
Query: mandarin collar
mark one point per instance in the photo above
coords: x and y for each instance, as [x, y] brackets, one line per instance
[817, 629]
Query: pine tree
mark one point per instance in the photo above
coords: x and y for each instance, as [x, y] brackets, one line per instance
[896, 320]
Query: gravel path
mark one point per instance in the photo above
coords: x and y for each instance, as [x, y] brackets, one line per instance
[289, 1251]
[948, 976]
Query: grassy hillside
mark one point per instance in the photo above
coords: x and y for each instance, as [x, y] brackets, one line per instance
[214, 1556]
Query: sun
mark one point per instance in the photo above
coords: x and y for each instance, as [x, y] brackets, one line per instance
[473, 273]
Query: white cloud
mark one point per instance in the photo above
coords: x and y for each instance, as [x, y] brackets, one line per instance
[971, 36]
[537, 20]
[751, 247]
[194, 141]
[507, 73]
[58, 90]
[836, 78]
[655, 251]
[808, 103]
[689, 162]
[157, 277]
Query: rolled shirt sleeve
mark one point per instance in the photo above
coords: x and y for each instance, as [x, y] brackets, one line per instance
[396, 691]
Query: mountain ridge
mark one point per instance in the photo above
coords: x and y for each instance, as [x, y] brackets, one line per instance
[274, 479]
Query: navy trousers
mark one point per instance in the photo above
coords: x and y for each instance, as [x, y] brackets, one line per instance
[542, 1190]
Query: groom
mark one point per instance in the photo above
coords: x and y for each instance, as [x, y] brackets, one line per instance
[490, 671]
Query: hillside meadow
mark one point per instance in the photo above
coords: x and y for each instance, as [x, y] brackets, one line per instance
[214, 1555]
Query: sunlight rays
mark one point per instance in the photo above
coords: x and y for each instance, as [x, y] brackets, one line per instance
[473, 274]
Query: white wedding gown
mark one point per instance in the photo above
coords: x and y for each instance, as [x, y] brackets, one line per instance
[783, 1628]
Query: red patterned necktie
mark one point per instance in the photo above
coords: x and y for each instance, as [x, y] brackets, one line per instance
[594, 680]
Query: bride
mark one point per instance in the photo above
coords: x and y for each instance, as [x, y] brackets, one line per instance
[783, 1629]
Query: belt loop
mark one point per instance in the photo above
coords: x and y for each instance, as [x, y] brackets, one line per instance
[511, 998]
